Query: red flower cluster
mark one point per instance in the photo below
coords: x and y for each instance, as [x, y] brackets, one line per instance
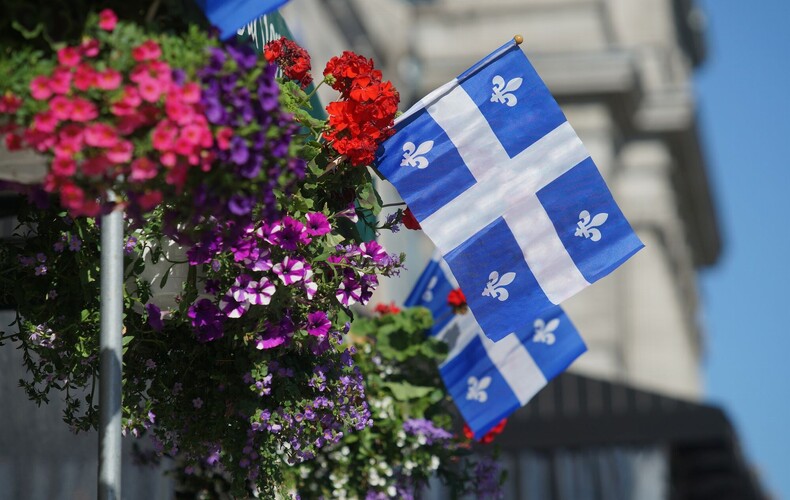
[291, 58]
[363, 118]
[457, 300]
[385, 309]
[490, 435]
[409, 220]
[94, 117]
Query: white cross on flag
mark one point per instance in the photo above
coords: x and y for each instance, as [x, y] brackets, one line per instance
[503, 186]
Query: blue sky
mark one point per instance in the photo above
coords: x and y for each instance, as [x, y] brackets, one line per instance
[743, 92]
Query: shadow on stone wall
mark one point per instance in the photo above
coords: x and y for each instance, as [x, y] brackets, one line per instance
[40, 459]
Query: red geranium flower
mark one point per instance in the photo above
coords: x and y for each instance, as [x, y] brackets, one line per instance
[385, 309]
[364, 117]
[457, 300]
[409, 220]
[490, 435]
[291, 58]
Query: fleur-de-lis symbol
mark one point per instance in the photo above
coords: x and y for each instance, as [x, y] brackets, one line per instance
[427, 295]
[477, 389]
[501, 92]
[586, 226]
[544, 332]
[496, 285]
[411, 154]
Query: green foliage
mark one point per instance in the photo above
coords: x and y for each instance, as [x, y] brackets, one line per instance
[43, 24]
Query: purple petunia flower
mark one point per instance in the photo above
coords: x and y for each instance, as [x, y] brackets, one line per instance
[374, 251]
[349, 213]
[317, 224]
[128, 247]
[244, 56]
[75, 244]
[252, 168]
[290, 270]
[260, 293]
[198, 254]
[265, 233]
[233, 308]
[350, 290]
[318, 324]
[289, 233]
[310, 286]
[240, 204]
[213, 455]
[206, 320]
[239, 153]
[154, 316]
[423, 427]
[272, 337]
[258, 260]
[41, 270]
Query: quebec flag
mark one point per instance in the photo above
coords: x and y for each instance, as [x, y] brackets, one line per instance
[490, 380]
[503, 186]
[230, 15]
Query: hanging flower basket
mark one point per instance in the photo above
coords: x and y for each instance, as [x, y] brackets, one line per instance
[242, 253]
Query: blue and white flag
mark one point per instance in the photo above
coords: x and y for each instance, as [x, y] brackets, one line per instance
[503, 186]
[490, 380]
[230, 15]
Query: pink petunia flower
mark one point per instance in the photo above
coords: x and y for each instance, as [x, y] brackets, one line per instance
[163, 136]
[61, 107]
[69, 56]
[143, 169]
[90, 47]
[82, 110]
[100, 135]
[108, 79]
[71, 134]
[39, 88]
[45, 121]
[150, 89]
[66, 149]
[60, 81]
[224, 135]
[84, 77]
[147, 51]
[107, 20]
[128, 103]
[64, 166]
[190, 93]
[96, 166]
[149, 199]
[120, 152]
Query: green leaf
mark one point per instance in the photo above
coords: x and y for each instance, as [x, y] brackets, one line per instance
[404, 391]
[333, 239]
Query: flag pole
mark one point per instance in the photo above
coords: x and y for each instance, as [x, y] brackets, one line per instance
[518, 39]
[110, 345]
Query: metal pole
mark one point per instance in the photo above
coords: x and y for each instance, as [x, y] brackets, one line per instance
[110, 344]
